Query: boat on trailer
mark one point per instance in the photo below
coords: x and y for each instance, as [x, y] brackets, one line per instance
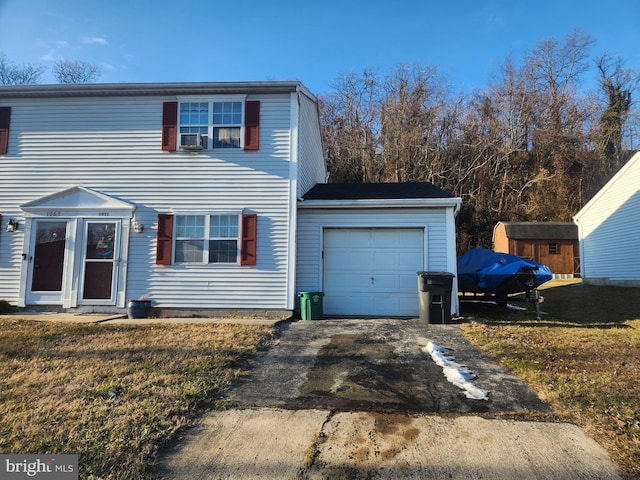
[495, 276]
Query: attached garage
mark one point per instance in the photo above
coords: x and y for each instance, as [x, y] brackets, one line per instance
[363, 244]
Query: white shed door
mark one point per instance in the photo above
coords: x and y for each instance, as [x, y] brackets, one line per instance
[372, 271]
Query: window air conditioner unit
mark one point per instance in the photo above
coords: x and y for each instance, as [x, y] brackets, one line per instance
[191, 141]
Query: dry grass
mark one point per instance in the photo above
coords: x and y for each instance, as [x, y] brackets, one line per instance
[112, 395]
[583, 358]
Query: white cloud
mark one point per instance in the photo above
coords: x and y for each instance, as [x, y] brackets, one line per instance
[91, 40]
[49, 57]
[61, 44]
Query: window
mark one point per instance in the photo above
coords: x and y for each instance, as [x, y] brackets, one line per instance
[227, 120]
[220, 121]
[554, 248]
[205, 125]
[194, 124]
[225, 242]
[206, 238]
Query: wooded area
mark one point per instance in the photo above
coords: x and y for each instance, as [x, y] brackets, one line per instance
[532, 146]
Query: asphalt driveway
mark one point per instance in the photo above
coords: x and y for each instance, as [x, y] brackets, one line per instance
[361, 399]
[375, 364]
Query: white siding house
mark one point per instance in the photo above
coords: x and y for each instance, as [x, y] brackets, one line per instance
[609, 230]
[203, 197]
[90, 172]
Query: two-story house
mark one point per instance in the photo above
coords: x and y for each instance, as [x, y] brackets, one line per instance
[195, 195]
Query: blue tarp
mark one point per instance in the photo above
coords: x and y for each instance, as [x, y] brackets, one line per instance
[486, 270]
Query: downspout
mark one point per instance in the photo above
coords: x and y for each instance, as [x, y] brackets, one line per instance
[293, 197]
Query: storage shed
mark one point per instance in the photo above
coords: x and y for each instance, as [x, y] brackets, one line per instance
[554, 244]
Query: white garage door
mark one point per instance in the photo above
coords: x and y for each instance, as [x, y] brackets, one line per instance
[372, 271]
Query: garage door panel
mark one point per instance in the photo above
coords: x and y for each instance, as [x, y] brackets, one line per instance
[407, 282]
[385, 259]
[409, 259]
[387, 282]
[385, 238]
[374, 272]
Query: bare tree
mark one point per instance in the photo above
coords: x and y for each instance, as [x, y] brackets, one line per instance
[78, 71]
[618, 83]
[350, 126]
[12, 74]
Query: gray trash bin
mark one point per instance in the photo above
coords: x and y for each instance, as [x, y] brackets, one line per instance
[434, 296]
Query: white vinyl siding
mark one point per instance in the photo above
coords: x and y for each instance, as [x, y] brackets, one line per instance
[439, 245]
[113, 145]
[609, 229]
[312, 166]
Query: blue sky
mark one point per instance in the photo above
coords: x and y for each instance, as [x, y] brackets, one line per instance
[315, 42]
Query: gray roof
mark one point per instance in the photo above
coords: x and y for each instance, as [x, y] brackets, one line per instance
[374, 191]
[541, 230]
[144, 89]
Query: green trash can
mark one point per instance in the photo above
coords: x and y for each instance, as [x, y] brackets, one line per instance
[311, 305]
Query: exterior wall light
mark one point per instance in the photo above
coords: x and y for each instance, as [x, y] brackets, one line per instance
[12, 226]
[137, 226]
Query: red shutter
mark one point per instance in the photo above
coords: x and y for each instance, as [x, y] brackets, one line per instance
[5, 120]
[249, 239]
[165, 239]
[169, 125]
[251, 125]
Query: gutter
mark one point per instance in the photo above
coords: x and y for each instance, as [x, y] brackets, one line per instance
[147, 89]
[454, 202]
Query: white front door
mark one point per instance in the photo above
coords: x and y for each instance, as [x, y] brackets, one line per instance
[372, 271]
[47, 262]
[100, 262]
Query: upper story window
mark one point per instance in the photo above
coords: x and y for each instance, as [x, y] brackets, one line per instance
[205, 125]
[554, 248]
[200, 125]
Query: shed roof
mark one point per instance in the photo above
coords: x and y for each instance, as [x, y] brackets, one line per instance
[541, 230]
[375, 191]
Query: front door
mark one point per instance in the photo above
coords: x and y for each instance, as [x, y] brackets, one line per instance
[100, 262]
[47, 262]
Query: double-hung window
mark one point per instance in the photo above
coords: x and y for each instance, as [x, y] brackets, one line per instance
[227, 121]
[194, 124]
[210, 124]
[201, 124]
[207, 238]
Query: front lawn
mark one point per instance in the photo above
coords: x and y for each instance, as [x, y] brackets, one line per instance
[112, 394]
[583, 357]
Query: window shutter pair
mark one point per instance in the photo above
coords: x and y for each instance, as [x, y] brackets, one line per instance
[170, 125]
[248, 239]
[5, 120]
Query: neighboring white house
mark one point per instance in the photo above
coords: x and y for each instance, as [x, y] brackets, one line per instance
[194, 194]
[609, 230]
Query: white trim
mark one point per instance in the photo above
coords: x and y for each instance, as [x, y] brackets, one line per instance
[293, 196]
[210, 98]
[454, 202]
[594, 200]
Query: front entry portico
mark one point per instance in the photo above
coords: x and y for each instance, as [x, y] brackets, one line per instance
[75, 249]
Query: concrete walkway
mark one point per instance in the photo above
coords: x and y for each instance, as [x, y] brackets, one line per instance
[271, 443]
[122, 319]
